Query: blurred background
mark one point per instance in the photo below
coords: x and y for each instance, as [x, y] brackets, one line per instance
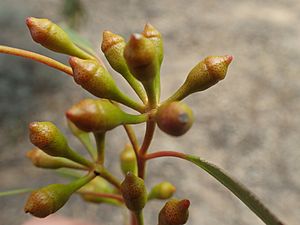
[248, 124]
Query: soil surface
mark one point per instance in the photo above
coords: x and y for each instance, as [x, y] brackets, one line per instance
[248, 124]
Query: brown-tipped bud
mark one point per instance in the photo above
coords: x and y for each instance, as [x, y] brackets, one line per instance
[175, 212]
[141, 58]
[207, 73]
[163, 190]
[100, 115]
[47, 137]
[51, 36]
[128, 160]
[174, 118]
[113, 46]
[51, 198]
[94, 78]
[42, 160]
[151, 33]
[134, 192]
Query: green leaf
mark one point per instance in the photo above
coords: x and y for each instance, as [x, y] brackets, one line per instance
[15, 192]
[238, 190]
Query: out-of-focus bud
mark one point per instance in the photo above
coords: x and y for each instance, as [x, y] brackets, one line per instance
[43, 160]
[47, 137]
[204, 75]
[141, 58]
[51, 198]
[51, 36]
[98, 185]
[174, 118]
[163, 190]
[175, 212]
[128, 160]
[154, 35]
[100, 115]
[134, 192]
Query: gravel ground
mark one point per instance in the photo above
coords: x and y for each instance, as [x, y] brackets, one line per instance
[248, 124]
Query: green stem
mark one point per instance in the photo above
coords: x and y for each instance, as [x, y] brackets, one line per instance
[110, 178]
[151, 91]
[125, 100]
[71, 154]
[239, 190]
[137, 87]
[180, 94]
[100, 142]
[139, 217]
[37, 57]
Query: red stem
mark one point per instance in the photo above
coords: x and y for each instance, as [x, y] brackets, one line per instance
[164, 154]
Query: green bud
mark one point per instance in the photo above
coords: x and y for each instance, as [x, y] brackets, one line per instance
[51, 198]
[163, 190]
[100, 115]
[174, 118]
[175, 212]
[51, 36]
[204, 75]
[141, 58]
[151, 33]
[128, 160]
[134, 192]
[113, 48]
[94, 78]
[43, 160]
[47, 137]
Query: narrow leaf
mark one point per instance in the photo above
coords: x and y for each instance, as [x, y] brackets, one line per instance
[15, 192]
[238, 190]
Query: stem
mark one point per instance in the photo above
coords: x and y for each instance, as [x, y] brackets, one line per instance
[132, 138]
[125, 100]
[239, 190]
[139, 217]
[151, 91]
[100, 142]
[150, 128]
[71, 154]
[137, 87]
[104, 195]
[133, 218]
[37, 57]
[110, 178]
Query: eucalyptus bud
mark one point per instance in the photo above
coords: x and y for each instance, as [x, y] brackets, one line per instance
[204, 75]
[163, 190]
[174, 118]
[141, 58]
[175, 212]
[43, 160]
[151, 33]
[113, 47]
[47, 137]
[51, 36]
[128, 160]
[100, 115]
[134, 192]
[51, 198]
